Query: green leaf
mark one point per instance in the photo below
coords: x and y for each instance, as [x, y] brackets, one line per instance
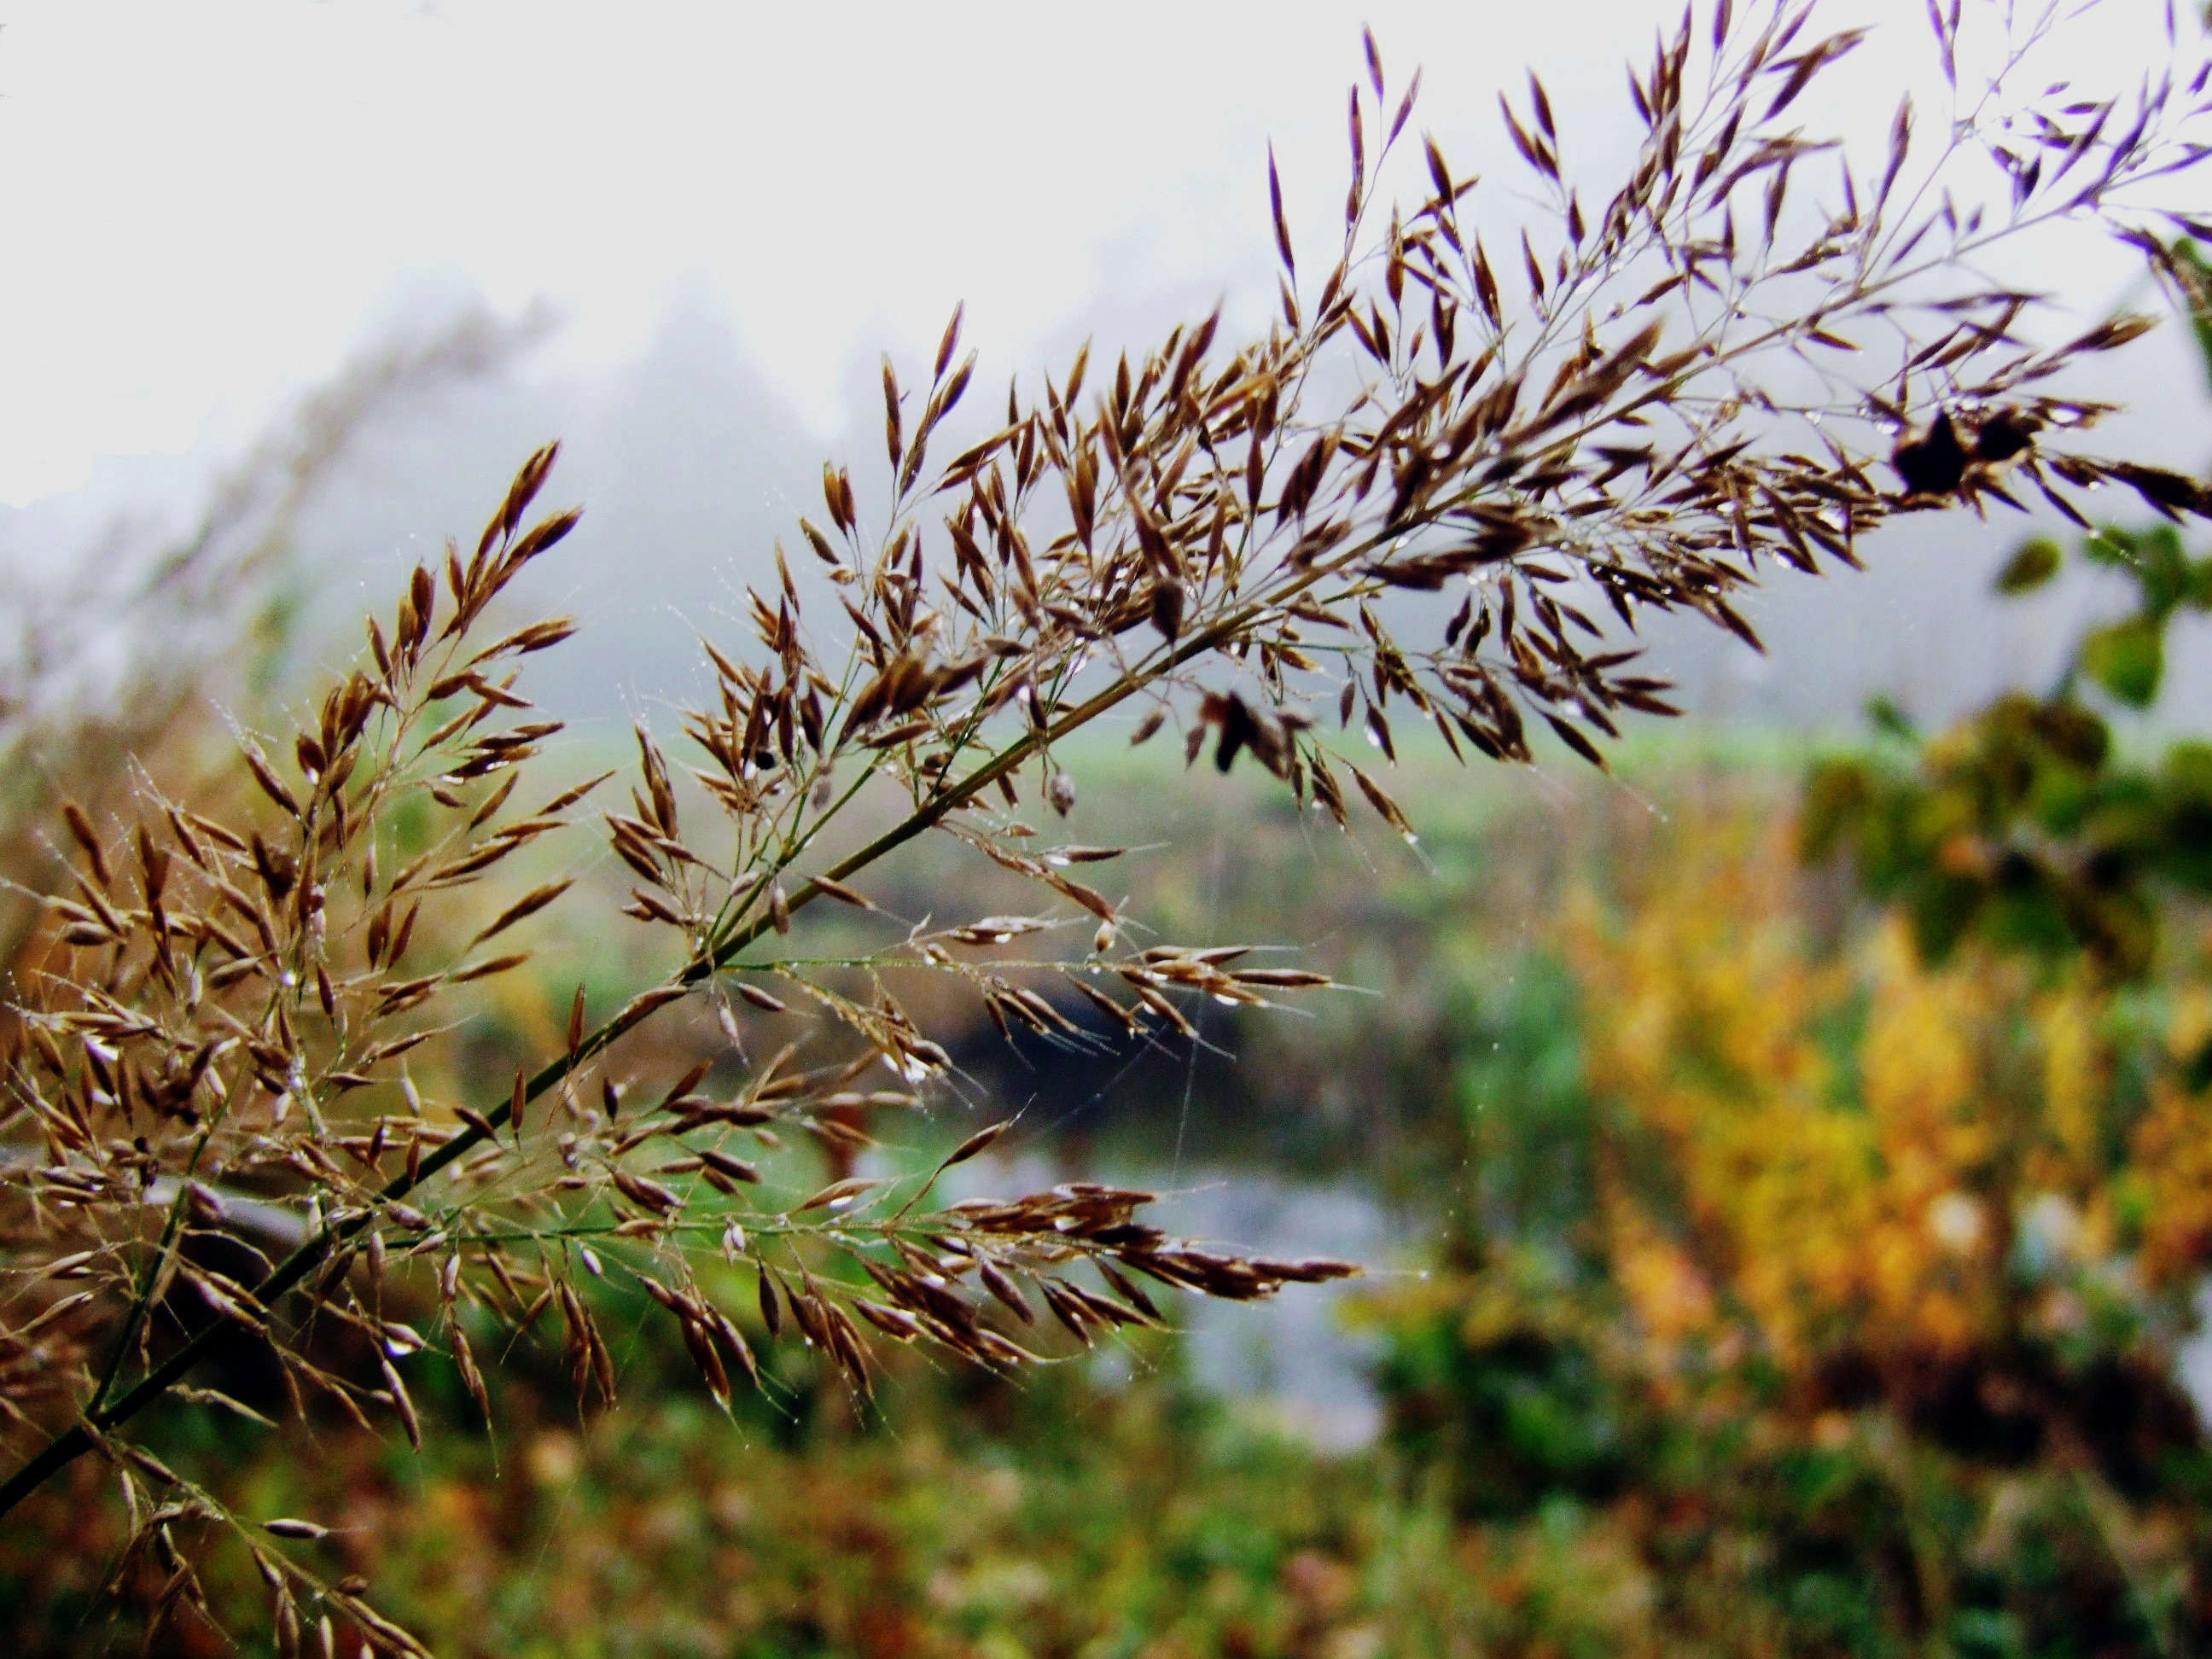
[2189, 770]
[2127, 658]
[2162, 569]
[2032, 564]
[1889, 720]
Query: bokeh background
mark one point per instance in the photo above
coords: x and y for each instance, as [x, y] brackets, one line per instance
[1758, 1265]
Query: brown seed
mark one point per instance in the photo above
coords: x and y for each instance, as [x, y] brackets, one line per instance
[980, 1141]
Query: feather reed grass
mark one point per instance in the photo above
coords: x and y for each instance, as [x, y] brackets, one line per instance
[1444, 487]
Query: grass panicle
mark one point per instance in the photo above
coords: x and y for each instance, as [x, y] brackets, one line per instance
[1479, 446]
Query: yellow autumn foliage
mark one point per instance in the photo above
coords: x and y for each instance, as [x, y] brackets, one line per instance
[1814, 1147]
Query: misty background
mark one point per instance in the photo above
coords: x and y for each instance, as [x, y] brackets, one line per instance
[700, 227]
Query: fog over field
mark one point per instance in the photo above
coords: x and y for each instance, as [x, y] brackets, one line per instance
[727, 214]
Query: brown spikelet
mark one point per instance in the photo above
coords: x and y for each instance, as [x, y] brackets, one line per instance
[1439, 489]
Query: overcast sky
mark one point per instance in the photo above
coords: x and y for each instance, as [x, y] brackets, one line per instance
[206, 205]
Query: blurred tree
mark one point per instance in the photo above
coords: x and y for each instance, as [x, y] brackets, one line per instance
[2025, 823]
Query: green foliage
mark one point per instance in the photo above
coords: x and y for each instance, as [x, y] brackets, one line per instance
[1761, 1371]
[2022, 824]
[2035, 563]
[1061, 1516]
[1523, 1108]
[2017, 826]
[2127, 658]
[1506, 1393]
